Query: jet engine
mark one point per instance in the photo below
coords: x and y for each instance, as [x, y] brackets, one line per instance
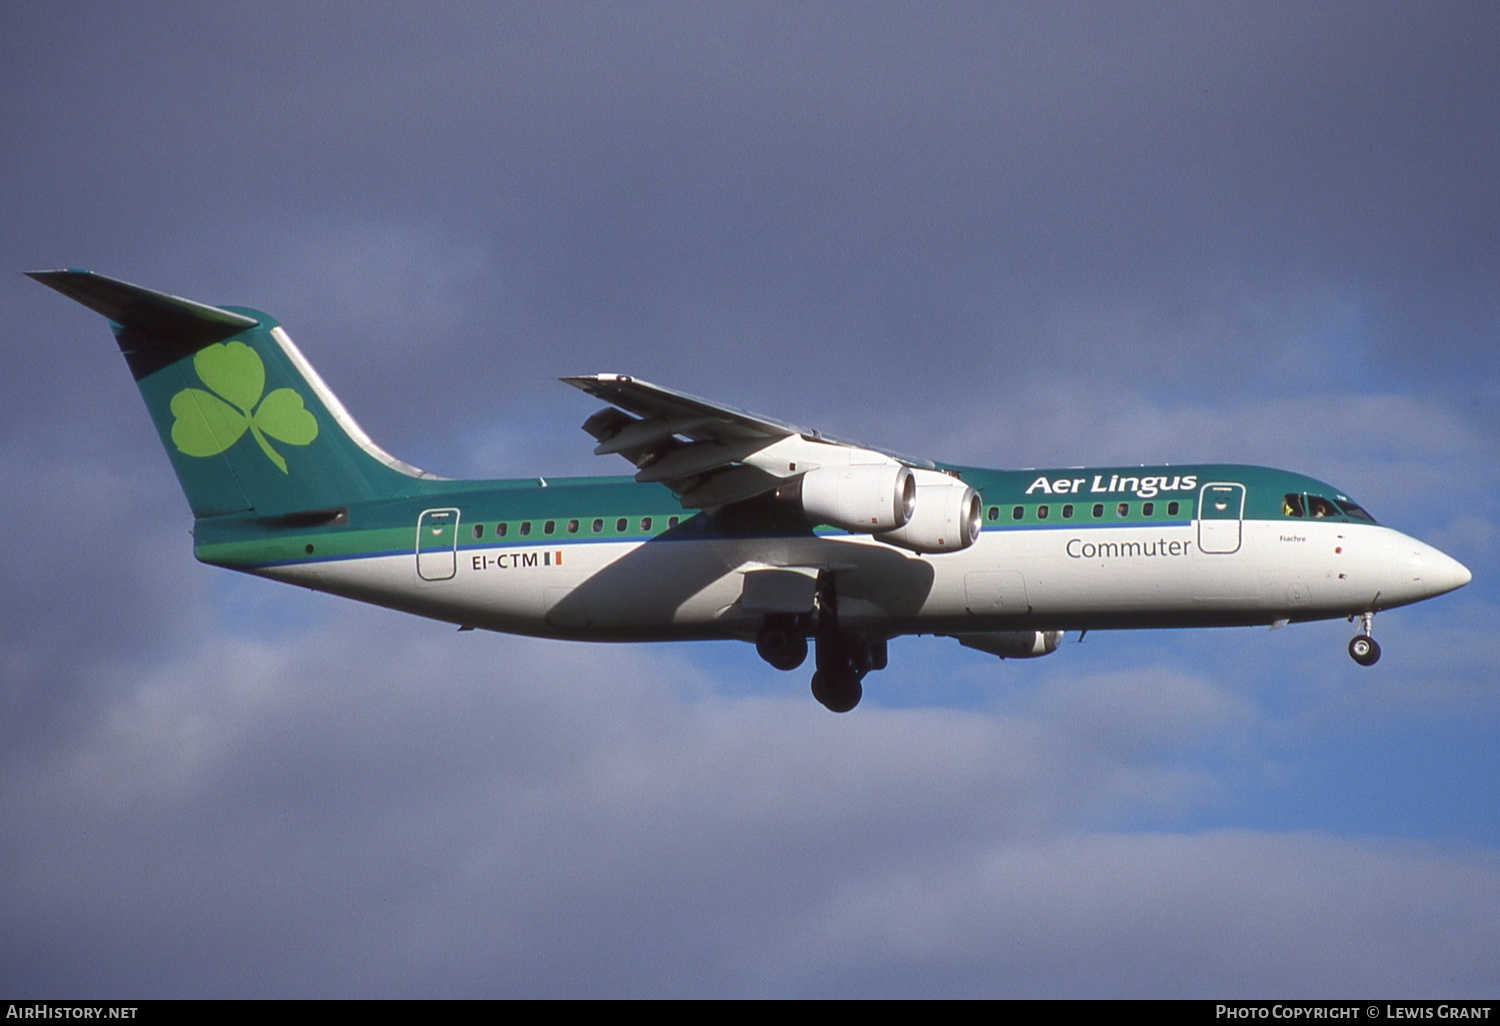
[860, 499]
[1013, 644]
[946, 518]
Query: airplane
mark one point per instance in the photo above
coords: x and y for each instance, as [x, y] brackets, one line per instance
[734, 525]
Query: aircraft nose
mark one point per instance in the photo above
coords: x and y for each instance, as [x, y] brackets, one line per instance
[1439, 572]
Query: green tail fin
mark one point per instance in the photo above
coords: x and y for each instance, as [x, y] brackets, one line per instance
[247, 422]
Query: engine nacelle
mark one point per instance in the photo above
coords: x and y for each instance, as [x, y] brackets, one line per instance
[946, 518]
[862, 499]
[1013, 644]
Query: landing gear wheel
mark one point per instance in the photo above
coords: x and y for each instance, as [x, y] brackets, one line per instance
[781, 647]
[1364, 650]
[838, 690]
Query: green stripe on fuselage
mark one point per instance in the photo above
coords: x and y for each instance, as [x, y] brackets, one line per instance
[386, 527]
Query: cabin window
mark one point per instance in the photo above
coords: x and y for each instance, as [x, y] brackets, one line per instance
[479, 530]
[1172, 509]
[572, 527]
[645, 523]
[621, 524]
[598, 524]
[1354, 510]
[500, 530]
[549, 527]
[525, 528]
[1018, 513]
[1291, 505]
[1098, 510]
[1148, 509]
[1068, 512]
[671, 522]
[994, 512]
[1041, 512]
[1122, 510]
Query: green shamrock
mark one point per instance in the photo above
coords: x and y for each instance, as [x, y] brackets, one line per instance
[208, 423]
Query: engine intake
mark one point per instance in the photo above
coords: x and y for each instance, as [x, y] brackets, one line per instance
[946, 518]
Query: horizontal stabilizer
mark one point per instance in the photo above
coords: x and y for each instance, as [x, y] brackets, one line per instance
[150, 325]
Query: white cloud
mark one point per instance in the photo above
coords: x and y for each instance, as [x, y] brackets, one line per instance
[1210, 915]
[381, 806]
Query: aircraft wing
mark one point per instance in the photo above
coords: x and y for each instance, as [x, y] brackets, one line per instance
[708, 453]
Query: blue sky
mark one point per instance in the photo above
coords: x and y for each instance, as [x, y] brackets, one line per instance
[1029, 235]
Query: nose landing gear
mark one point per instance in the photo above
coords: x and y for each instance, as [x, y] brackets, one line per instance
[1363, 649]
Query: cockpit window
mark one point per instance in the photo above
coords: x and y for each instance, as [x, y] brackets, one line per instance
[1319, 507]
[1354, 510]
[1291, 505]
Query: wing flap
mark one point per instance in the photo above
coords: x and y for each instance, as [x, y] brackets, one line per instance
[704, 451]
[695, 459]
[732, 484]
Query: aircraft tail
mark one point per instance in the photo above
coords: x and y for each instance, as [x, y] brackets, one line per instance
[247, 422]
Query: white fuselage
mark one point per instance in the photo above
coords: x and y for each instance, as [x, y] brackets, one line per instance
[1054, 578]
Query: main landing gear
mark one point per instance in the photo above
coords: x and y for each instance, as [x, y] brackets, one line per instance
[1363, 649]
[782, 642]
[842, 664]
[842, 659]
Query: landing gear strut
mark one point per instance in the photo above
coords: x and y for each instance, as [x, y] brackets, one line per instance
[843, 659]
[1363, 649]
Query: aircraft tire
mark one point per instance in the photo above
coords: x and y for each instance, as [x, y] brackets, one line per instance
[1364, 650]
[838, 690]
[783, 648]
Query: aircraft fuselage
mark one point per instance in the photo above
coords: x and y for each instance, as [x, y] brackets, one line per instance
[613, 560]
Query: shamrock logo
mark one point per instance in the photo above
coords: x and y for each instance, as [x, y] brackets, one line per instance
[208, 423]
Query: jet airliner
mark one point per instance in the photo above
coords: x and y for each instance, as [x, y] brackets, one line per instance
[734, 525]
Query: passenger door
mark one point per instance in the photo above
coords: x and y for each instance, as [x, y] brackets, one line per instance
[437, 544]
[1221, 509]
